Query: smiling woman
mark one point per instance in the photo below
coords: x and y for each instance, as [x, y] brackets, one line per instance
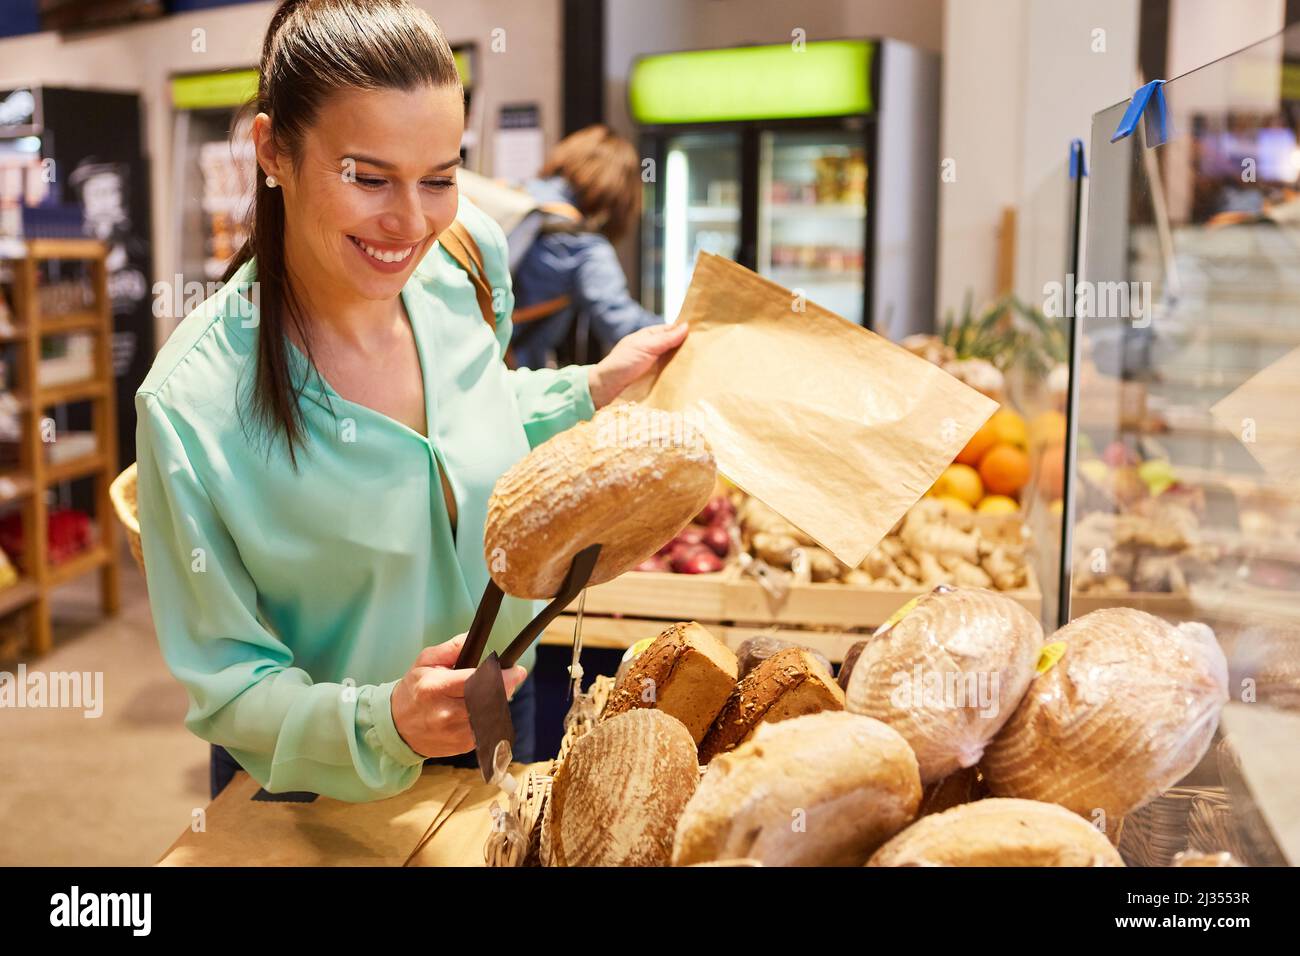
[318, 441]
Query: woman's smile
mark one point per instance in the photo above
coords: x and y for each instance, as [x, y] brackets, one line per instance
[385, 257]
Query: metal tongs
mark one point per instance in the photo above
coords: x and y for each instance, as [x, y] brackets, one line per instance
[485, 694]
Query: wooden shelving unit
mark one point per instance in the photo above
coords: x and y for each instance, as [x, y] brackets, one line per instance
[34, 476]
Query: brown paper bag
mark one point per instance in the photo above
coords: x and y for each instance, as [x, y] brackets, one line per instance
[241, 831]
[836, 428]
[1260, 413]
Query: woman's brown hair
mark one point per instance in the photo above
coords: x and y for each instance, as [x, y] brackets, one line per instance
[312, 49]
[605, 172]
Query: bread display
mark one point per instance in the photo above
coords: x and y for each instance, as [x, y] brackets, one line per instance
[616, 797]
[686, 672]
[819, 790]
[1127, 710]
[948, 674]
[788, 684]
[1000, 832]
[755, 650]
[629, 480]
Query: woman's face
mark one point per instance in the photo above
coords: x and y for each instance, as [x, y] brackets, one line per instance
[374, 186]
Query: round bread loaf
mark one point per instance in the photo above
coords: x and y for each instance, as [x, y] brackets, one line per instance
[948, 674]
[1127, 710]
[629, 480]
[1000, 832]
[616, 798]
[820, 790]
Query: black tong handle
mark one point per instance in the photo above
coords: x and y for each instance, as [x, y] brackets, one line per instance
[580, 571]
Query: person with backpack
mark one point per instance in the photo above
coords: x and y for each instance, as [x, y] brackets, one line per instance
[569, 270]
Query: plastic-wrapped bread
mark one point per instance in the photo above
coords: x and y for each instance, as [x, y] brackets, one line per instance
[1126, 706]
[948, 674]
[686, 672]
[625, 480]
[616, 798]
[821, 790]
[1000, 832]
[788, 684]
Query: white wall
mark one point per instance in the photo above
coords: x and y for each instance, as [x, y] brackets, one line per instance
[142, 58]
[1021, 79]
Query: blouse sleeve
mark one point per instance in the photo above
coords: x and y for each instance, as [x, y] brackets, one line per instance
[549, 399]
[245, 694]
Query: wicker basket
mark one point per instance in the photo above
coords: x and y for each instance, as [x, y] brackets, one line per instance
[122, 492]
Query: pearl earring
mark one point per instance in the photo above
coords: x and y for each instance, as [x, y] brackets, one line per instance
[272, 182]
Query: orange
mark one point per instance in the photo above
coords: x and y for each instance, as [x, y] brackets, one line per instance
[997, 505]
[1051, 471]
[1047, 429]
[954, 505]
[1003, 427]
[1004, 469]
[959, 481]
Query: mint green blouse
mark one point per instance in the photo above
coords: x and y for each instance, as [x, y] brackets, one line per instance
[289, 604]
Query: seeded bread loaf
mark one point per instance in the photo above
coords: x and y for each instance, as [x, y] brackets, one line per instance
[788, 684]
[753, 651]
[686, 672]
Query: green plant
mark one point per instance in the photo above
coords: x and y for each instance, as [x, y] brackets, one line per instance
[1006, 332]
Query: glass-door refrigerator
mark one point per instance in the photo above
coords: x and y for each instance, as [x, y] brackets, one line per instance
[800, 162]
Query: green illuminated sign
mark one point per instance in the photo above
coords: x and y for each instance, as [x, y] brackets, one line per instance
[824, 78]
[204, 91]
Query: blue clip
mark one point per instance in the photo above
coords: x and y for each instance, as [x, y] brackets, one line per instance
[1151, 95]
[1078, 164]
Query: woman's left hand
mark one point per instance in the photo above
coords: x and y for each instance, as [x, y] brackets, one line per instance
[631, 358]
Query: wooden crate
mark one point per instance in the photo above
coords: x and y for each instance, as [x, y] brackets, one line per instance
[828, 617]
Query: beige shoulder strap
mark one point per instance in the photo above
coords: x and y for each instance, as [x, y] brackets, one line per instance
[461, 246]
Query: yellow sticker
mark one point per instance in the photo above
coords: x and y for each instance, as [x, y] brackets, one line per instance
[898, 615]
[636, 649]
[1049, 655]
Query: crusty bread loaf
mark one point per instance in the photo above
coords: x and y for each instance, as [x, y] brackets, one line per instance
[754, 650]
[999, 832]
[948, 674]
[686, 672]
[788, 684]
[629, 480]
[850, 661]
[616, 797]
[963, 786]
[1127, 711]
[820, 790]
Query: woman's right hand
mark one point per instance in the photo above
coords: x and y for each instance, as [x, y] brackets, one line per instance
[428, 703]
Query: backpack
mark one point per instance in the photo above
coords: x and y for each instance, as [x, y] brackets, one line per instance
[522, 218]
